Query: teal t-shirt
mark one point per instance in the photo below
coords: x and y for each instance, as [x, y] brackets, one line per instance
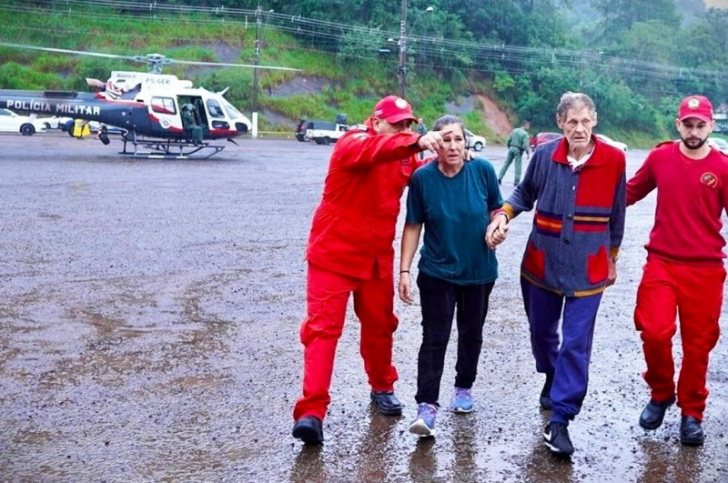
[455, 213]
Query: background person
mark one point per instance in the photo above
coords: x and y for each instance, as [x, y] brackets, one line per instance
[570, 256]
[350, 251]
[517, 145]
[454, 201]
[684, 273]
[189, 121]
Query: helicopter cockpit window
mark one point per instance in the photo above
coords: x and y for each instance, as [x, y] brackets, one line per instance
[163, 105]
[231, 111]
[213, 107]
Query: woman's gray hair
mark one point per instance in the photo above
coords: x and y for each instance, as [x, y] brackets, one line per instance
[570, 99]
[446, 120]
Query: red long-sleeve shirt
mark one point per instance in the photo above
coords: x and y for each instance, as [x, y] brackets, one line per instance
[691, 194]
[354, 226]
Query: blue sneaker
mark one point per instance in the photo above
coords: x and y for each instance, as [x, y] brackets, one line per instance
[462, 400]
[424, 424]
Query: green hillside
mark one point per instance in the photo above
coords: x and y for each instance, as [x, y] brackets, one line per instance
[521, 53]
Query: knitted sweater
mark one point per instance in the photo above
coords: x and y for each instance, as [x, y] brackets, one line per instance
[579, 219]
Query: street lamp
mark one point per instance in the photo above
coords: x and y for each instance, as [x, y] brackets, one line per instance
[402, 71]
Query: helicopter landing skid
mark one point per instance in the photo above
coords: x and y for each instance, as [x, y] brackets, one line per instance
[170, 149]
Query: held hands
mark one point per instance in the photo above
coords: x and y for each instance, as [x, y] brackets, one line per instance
[405, 288]
[433, 140]
[497, 232]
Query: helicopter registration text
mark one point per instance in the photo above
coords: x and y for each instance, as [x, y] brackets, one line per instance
[55, 108]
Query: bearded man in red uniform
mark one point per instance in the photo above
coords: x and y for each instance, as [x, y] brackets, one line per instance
[684, 273]
[350, 251]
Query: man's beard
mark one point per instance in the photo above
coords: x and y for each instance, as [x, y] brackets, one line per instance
[687, 142]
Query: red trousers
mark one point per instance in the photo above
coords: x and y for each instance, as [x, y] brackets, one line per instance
[327, 297]
[695, 293]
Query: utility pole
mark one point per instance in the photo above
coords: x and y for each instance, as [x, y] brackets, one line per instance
[256, 61]
[402, 71]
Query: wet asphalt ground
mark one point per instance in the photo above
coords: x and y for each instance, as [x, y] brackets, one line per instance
[149, 316]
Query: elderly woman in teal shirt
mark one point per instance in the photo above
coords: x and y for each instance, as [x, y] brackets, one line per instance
[455, 201]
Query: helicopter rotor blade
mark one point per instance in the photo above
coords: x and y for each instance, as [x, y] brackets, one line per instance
[67, 51]
[224, 64]
[151, 59]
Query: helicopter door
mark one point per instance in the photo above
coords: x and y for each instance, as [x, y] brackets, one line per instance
[164, 111]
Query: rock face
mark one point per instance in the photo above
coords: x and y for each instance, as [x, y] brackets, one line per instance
[495, 118]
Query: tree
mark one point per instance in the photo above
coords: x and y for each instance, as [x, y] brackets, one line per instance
[618, 16]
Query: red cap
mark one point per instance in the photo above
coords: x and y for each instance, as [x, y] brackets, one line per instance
[696, 106]
[393, 109]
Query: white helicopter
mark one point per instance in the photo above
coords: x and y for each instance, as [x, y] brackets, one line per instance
[157, 112]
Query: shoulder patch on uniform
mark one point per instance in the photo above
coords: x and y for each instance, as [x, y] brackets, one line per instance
[361, 135]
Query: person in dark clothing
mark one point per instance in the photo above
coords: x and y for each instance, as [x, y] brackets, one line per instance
[189, 121]
[454, 201]
[517, 145]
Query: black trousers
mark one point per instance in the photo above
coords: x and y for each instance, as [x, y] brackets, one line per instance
[439, 299]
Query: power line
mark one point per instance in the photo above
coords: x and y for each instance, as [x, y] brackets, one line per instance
[426, 46]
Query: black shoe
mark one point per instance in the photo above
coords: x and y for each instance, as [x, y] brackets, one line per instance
[691, 432]
[309, 430]
[653, 414]
[387, 403]
[556, 437]
[545, 399]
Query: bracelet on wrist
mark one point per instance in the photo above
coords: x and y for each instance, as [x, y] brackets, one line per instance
[501, 211]
[403, 271]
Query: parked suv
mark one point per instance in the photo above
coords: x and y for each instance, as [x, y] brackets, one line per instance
[302, 130]
[326, 132]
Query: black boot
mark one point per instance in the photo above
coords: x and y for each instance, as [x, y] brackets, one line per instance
[653, 414]
[387, 403]
[691, 431]
[309, 430]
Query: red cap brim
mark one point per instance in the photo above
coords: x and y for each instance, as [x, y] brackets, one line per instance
[701, 117]
[399, 117]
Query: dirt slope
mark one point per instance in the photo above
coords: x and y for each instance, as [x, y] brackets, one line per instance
[495, 118]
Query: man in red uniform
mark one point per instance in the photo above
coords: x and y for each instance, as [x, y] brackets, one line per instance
[684, 273]
[350, 251]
